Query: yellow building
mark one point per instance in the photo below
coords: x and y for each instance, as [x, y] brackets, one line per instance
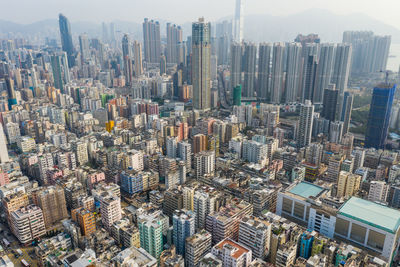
[348, 184]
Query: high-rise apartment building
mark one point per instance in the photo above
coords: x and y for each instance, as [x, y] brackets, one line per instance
[249, 69]
[236, 64]
[152, 41]
[341, 67]
[345, 111]
[232, 253]
[330, 103]
[277, 72]
[378, 191]
[197, 246]
[52, 202]
[238, 22]
[137, 53]
[27, 224]
[264, 69]
[174, 39]
[348, 184]
[3, 146]
[110, 209]
[293, 67]
[200, 61]
[204, 163]
[151, 234]
[379, 115]
[84, 47]
[305, 124]
[183, 222]
[324, 71]
[86, 220]
[255, 234]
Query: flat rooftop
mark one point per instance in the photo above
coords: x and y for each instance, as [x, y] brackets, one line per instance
[306, 190]
[371, 213]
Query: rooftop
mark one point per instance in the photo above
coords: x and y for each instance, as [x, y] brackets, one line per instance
[306, 190]
[371, 213]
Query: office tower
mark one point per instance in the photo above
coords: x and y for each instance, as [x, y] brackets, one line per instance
[341, 67]
[305, 124]
[264, 60]
[137, 52]
[183, 227]
[84, 47]
[12, 98]
[378, 191]
[324, 71]
[3, 146]
[237, 95]
[204, 163]
[249, 69]
[236, 64]
[277, 73]
[379, 115]
[126, 47]
[348, 184]
[330, 102]
[255, 234]
[163, 65]
[201, 56]
[174, 38]
[293, 67]
[151, 40]
[309, 75]
[197, 246]
[110, 209]
[151, 234]
[27, 224]
[345, 111]
[66, 39]
[52, 202]
[238, 22]
[85, 219]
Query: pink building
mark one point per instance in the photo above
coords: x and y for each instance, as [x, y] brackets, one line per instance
[94, 178]
[52, 175]
[4, 178]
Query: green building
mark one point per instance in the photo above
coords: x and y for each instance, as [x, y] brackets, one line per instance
[237, 95]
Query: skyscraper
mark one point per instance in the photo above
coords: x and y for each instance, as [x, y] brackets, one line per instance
[264, 60]
[249, 69]
[12, 98]
[305, 124]
[379, 115]
[236, 64]
[127, 56]
[184, 226]
[201, 57]
[308, 79]
[84, 47]
[66, 39]
[57, 72]
[174, 38]
[293, 66]
[330, 103]
[341, 69]
[324, 71]
[3, 146]
[345, 112]
[152, 41]
[238, 22]
[163, 65]
[277, 73]
[137, 52]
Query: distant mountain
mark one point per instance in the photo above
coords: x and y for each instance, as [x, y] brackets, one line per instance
[328, 25]
[257, 28]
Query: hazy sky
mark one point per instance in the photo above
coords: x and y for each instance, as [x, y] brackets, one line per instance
[180, 11]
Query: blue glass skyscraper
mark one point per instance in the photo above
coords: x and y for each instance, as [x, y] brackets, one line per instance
[66, 39]
[379, 115]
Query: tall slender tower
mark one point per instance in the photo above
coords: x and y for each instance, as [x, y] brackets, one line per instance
[324, 71]
[238, 22]
[293, 67]
[236, 64]
[249, 69]
[305, 124]
[277, 73]
[174, 38]
[345, 112]
[152, 41]
[3, 146]
[379, 115]
[264, 60]
[84, 47]
[12, 99]
[201, 57]
[66, 38]
[127, 56]
[137, 51]
[341, 67]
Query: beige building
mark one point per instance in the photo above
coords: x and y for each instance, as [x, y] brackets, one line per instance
[348, 184]
[27, 224]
